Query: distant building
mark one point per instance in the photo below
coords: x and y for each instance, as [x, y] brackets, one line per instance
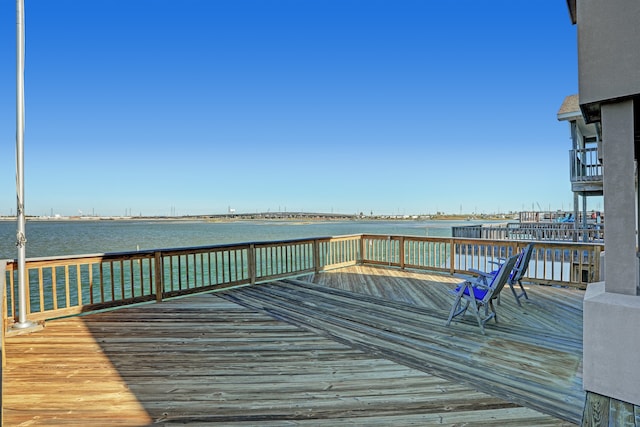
[585, 157]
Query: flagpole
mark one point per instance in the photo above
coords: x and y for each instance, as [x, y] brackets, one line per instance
[21, 241]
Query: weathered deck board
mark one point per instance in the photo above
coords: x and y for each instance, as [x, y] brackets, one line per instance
[206, 360]
[532, 357]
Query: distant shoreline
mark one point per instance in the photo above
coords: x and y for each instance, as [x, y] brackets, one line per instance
[272, 217]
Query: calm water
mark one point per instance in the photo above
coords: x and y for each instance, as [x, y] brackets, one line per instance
[51, 238]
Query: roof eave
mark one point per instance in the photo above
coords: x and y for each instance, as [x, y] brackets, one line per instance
[574, 115]
[571, 4]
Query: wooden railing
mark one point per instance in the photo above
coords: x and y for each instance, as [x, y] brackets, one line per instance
[70, 285]
[567, 264]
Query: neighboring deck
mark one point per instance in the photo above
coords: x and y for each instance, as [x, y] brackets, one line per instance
[362, 346]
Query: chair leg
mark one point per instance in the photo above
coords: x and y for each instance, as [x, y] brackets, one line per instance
[455, 305]
[476, 311]
[517, 295]
[457, 309]
[524, 293]
[493, 312]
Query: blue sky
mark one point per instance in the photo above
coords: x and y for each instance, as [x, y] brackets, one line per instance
[193, 106]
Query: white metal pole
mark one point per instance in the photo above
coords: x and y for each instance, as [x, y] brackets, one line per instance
[20, 235]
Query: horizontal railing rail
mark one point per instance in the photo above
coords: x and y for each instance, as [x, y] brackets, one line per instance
[61, 286]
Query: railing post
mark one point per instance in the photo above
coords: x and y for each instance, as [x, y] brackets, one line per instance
[159, 276]
[316, 256]
[360, 259]
[452, 256]
[401, 250]
[3, 308]
[252, 264]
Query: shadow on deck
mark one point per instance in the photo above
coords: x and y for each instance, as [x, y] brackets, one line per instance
[356, 346]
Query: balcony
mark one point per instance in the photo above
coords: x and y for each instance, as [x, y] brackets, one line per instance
[586, 171]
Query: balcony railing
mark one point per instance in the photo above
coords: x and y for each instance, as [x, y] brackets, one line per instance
[62, 286]
[585, 165]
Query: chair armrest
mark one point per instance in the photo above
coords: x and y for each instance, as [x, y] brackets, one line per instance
[466, 278]
[480, 273]
[482, 285]
[480, 280]
[483, 279]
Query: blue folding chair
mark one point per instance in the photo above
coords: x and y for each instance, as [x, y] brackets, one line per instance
[479, 292]
[516, 275]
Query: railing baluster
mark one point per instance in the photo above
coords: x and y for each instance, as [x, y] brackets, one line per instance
[111, 279]
[54, 290]
[79, 284]
[123, 294]
[66, 286]
[41, 288]
[186, 270]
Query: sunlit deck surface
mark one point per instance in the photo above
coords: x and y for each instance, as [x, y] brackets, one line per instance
[360, 346]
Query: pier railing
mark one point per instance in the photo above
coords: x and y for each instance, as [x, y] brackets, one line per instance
[61, 286]
[553, 232]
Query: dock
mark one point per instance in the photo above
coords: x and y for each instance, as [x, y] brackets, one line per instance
[359, 345]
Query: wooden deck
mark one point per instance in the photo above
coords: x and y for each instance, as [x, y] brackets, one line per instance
[361, 346]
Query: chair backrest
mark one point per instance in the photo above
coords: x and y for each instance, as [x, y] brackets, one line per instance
[522, 264]
[501, 278]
